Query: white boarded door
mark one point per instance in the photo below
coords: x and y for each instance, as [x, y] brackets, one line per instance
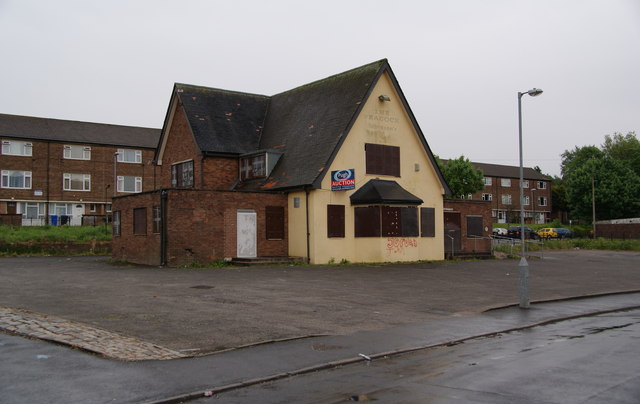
[247, 240]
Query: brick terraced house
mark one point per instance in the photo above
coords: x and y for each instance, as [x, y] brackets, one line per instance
[66, 172]
[334, 170]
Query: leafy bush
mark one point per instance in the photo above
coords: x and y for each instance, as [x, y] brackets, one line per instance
[52, 234]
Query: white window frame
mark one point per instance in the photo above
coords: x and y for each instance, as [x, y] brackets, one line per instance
[488, 181]
[506, 199]
[527, 200]
[542, 185]
[137, 156]
[17, 148]
[487, 197]
[137, 184]
[525, 183]
[8, 174]
[70, 150]
[108, 208]
[69, 178]
[505, 182]
[542, 201]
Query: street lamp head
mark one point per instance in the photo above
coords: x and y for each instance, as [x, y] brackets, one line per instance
[534, 92]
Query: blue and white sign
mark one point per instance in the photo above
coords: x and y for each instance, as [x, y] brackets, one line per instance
[343, 180]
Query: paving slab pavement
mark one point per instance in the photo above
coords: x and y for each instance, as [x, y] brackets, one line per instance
[193, 312]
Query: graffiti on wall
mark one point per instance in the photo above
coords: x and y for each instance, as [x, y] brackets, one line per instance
[398, 245]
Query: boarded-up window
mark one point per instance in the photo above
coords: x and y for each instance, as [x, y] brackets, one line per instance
[474, 226]
[335, 220]
[382, 159]
[391, 222]
[275, 222]
[157, 219]
[409, 217]
[428, 222]
[140, 221]
[367, 221]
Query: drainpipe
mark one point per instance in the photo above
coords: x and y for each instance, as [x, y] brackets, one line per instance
[163, 227]
[306, 206]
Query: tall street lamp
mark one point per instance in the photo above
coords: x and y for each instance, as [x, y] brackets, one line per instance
[533, 205]
[523, 265]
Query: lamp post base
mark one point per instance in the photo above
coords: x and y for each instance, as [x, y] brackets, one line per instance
[523, 282]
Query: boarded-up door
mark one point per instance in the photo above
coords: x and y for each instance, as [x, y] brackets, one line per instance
[452, 240]
[246, 238]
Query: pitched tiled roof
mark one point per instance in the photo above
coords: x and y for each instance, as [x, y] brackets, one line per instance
[223, 122]
[306, 124]
[502, 171]
[57, 130]
[310, 121]
[496, 170]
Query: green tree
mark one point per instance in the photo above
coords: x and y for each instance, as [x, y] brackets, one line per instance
[462, 177]
[616, 189]
[624, 148]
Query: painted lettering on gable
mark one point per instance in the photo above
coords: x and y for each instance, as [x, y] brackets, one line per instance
[379, 122]
[398, 245]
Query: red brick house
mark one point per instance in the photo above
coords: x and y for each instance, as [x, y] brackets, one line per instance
[334, 170]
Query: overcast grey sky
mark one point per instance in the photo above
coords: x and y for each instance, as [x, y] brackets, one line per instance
[460, 63]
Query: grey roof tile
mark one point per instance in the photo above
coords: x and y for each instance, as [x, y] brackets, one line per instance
[47, 129]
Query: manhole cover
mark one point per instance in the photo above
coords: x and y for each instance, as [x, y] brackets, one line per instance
[202, 287]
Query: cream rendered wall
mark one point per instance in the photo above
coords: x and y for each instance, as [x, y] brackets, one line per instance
[297, 228]
[381, 123]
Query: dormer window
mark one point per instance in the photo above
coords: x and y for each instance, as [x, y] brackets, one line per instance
[253, 167]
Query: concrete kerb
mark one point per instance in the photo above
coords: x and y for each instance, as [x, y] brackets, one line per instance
[351, 360]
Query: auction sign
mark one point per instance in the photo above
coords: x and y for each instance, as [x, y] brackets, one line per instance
[343, 180]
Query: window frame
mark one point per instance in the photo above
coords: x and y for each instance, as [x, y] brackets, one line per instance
[157, 219]
[488, 181]
[487, 197]
[67, 152]
[86, 180]
[25, 148]
[509, 199]
[542, 185]
[382, 159]
[6, 175]
[182, 174]
[505, 182]
[542, 201]
[252, 167]
[117, 223]
[137, 184]
[137, 156]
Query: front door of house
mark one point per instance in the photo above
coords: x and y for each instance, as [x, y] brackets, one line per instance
[452, 235]
[246, 238]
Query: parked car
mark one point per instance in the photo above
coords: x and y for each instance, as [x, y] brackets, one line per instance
[547, 233]
[563, 232]
[500, 231]
[514, 232]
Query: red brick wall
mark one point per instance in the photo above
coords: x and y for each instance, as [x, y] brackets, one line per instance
[136, 248]
[180, 146]
[472, 208]
[208, 172]
[497, 190]
[201, 226]
[47, 165]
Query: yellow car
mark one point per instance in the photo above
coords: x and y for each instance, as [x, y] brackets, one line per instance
[547, 233]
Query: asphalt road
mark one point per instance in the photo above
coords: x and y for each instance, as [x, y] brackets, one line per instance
[585, 360]
[202, 311]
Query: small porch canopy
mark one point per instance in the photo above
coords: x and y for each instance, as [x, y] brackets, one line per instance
[383, 192]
